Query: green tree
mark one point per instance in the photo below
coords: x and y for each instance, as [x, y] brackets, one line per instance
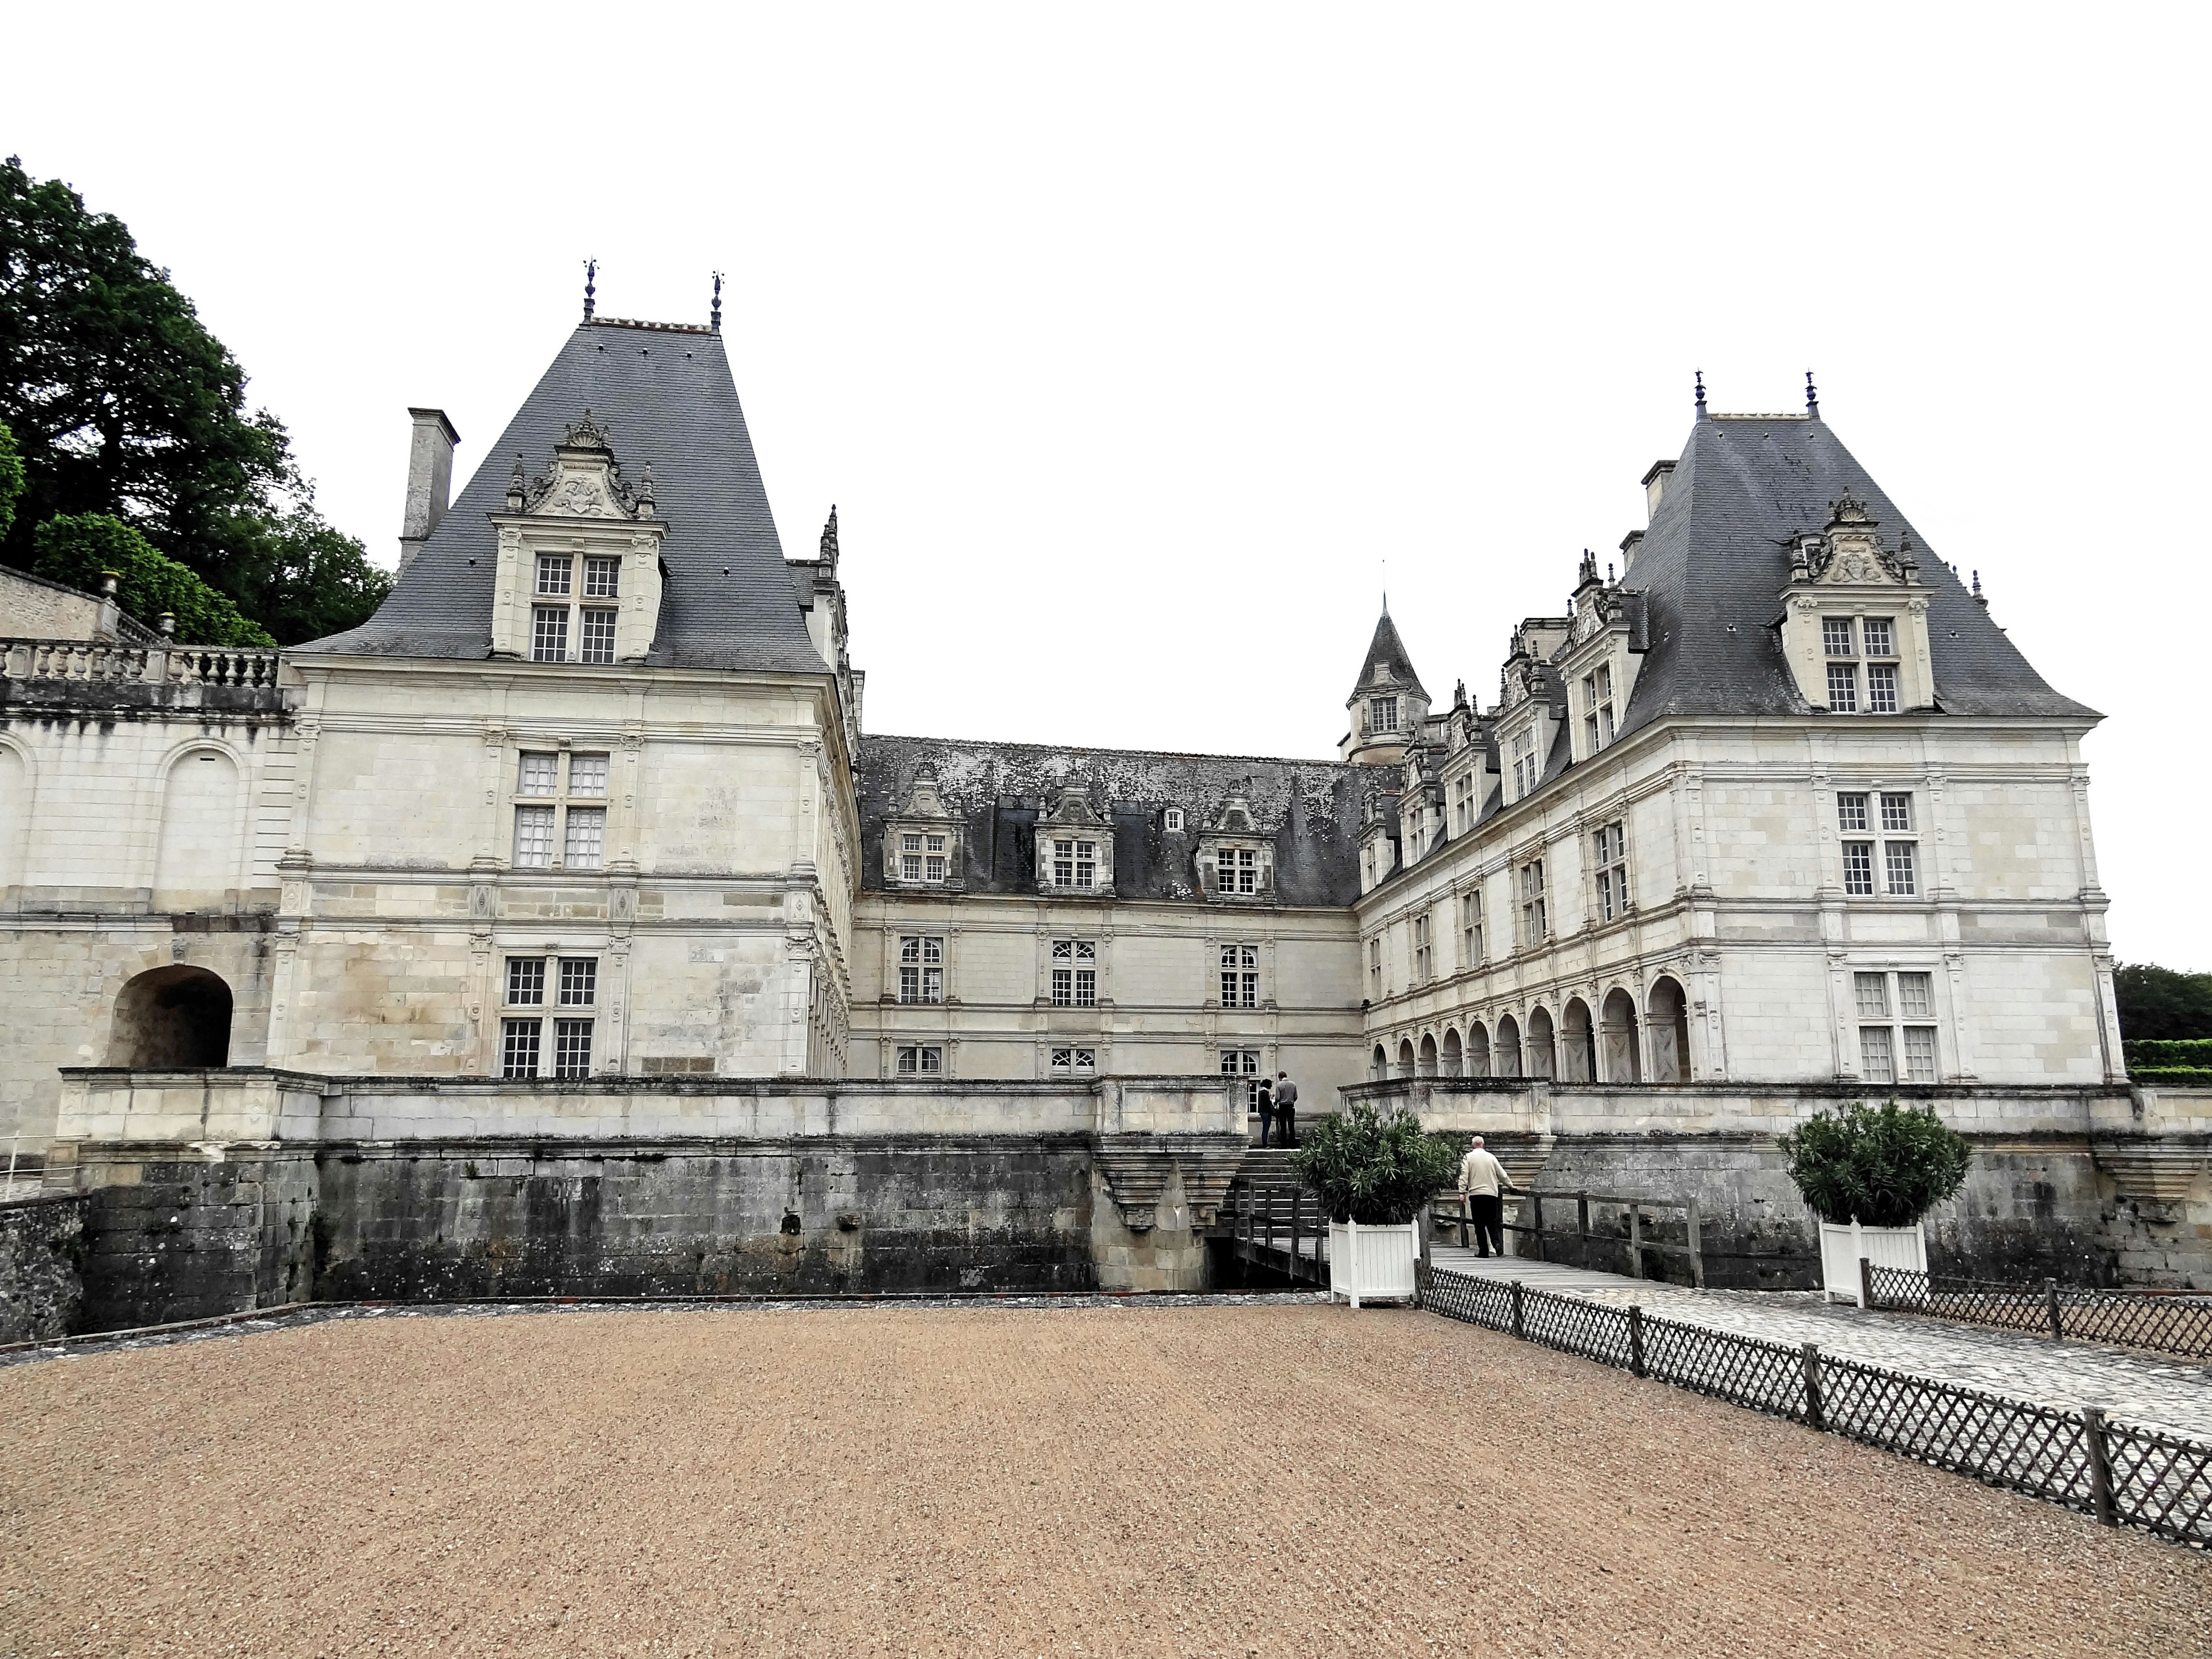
[80, 549]
[1886, 1165]
[2158, 1002]
[11, 478]
[123, 405]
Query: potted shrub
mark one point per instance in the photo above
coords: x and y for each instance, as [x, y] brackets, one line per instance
[1870, 1173]
[1374, 1174]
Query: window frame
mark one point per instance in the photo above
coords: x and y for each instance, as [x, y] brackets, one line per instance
[1536, 918]
[1074, 986]
[551, 998]
[547, 783]
[1470, 927]
[920, 967]
[1894, 1012]
[927, 1060]
[1240, 976]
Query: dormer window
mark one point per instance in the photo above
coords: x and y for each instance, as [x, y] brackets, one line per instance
[921, 857]
[1844, 688]
[1463, 804]
[1240, 870]
[1171, 820]
[1381, 714]
[1836, 636]
[602, 578]
[553, 573]
[1597, 707]
[1524, 764]
[1074, 863]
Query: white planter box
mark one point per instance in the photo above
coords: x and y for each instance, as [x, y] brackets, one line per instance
[1372, 1264]
[1842, 1244]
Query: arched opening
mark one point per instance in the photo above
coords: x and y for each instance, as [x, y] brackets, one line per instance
[1577, 1043]
[1542, 1054]
[1452, 1058]
[1617, 1028]
[1670, 1033]
[1478, 1051]
[1505, 1057]
[1379, 1067]
[171, 1018]
[1426, 1066]
[1405, 1057]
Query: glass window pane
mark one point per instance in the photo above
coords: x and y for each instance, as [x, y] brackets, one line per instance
[1903, 868]
[580, 980]
[585, 848]
[1843, 687]
[552, 573]
[518, 1047]
[526, 981]
[548, 633]
[1896, 811]
[1880, 639]
[540, 775]
[602, 578]
[1915, 996]
[587, 775]
[1836, 635]
[1920, 1053]
[597, 643]
[533, 837]
[1874, 1061]
[1873, 993]
[572, 1048]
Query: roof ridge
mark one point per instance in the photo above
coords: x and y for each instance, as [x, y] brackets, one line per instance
[657, 328]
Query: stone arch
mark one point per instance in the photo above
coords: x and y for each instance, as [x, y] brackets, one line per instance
[1542, 1055]
[171, 1018]
[1617, 1029]
[197, 855]
[1405, 1057]
[1455, 1062]
[1425, 1064]
[1379, 1067]
[1669, 1014]
[1505, 1057]
[1577, 1043]
[1478, 1050]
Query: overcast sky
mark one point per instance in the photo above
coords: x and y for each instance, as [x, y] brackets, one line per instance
[1132, 343]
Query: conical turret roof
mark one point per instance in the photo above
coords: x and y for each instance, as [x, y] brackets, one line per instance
[1389, 651]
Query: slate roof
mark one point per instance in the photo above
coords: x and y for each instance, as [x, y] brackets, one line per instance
[1388, 649]
[1717, 554]
[1310, 809]
[665, 395]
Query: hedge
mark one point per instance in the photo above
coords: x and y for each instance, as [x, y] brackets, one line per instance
[2195, 1052]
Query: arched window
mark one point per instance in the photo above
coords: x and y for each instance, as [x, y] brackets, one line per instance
[1453, 1061]
[1426, 1066]
[1379, 1067]
[1505, 1057]
[1541, 1055]
[1577, 1043]
[171, 1018]
[1670, 1032]
[1617, 1028]
[1478, 1050]
[1405, 1057]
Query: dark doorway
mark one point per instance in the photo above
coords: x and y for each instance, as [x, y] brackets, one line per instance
[172, 1018]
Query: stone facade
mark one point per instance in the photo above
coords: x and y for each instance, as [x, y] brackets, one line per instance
[552, 867]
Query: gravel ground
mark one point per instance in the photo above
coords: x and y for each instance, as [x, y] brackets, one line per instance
[1294, 1479]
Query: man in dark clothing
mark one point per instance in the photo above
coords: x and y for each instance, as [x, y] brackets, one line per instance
[1287, 1107]
[1266, 1098]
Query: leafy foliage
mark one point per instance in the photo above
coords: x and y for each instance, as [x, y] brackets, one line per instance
[1886, 1165]
[2158, 1002]
[1374, 1169]
[11, 479]
[79, 549]
[124, 405]
[2167, 1051]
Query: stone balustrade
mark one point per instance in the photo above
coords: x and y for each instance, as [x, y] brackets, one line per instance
[83, 672]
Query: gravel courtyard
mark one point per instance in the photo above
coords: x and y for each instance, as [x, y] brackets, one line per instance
[1296, 1480]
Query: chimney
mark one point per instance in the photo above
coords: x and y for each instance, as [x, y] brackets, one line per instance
[429, 480]
[1629, 546]
[1654, 486]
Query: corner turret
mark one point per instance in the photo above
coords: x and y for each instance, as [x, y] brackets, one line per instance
[1387, 704]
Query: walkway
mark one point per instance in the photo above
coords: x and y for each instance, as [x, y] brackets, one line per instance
[2141, 1388]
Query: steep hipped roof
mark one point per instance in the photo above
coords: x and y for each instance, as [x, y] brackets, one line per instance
[1717, 556]
[1389, 651]
[664, 395]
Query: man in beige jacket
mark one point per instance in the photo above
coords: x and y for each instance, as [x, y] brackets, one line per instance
[1483, 1184]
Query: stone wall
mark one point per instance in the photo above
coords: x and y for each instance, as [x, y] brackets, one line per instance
[217, 1190]
[41, 1292]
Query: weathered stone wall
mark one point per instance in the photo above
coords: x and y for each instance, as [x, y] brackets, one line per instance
[41, 1292]
[171, 1238]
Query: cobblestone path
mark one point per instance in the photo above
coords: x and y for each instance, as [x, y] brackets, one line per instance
[2141, 1387]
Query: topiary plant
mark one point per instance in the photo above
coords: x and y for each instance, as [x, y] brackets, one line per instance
[1885, 1166]
[1374, 1169]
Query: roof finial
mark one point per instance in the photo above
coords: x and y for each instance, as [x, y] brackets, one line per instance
[1980, 597]
[1385, 587]
[715, 321]
[590, 276]
[1701, 394]
[830, 537]
[1812, 397]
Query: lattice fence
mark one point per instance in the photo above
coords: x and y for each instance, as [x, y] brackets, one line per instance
[2122, 1474]
[2164, 1322]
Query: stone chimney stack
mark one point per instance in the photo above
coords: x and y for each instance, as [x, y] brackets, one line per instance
[429, 480]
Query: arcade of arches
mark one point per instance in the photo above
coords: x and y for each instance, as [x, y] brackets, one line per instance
[1618, 1046]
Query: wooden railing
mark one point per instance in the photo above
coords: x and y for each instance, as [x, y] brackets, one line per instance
[1634, 1238]
[1280, 1225]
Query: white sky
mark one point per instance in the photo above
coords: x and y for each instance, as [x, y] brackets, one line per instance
[1131, 342]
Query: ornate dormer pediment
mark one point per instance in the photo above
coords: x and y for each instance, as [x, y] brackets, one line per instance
[1074, 847]
[924, 842]
[585, 483]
